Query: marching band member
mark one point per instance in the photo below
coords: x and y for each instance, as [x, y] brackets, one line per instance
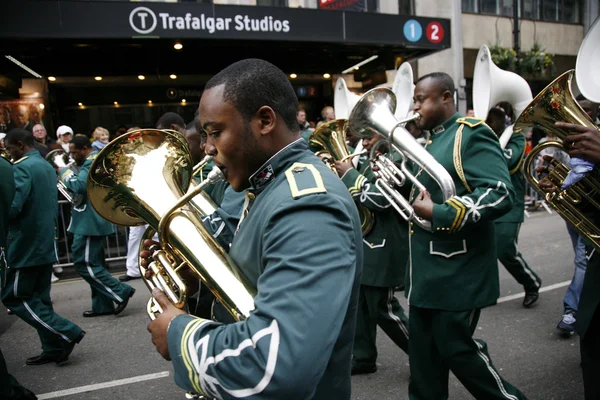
[89, 231]
[509, 225]
[584, 142]
[299, 241]
[10, 388]
[386, 252]
[453, 270]
[30, 251]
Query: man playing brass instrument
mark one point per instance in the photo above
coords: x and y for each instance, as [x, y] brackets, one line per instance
[453, 270]
[584, 142]
[386, 252]
[298, 241]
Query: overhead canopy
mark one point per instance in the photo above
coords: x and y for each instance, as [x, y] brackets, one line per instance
[119, 39]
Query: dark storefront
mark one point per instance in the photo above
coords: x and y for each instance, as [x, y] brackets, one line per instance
[76, 41]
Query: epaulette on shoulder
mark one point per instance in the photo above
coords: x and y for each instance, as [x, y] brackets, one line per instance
[471, 122]
[20, 159]
[91, 157]
[304, 179]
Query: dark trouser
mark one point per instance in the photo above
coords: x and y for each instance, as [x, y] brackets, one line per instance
[507, 237]
[442, 341]
[588, 327]
[26, 292]
[88, 256]
[10, 388]
[590, 358]
[378, 306]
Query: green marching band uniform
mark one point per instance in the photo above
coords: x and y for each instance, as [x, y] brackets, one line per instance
[299, 242]
[30, 254]
[89, 231]
[385, 250]
[10, 388]
[453, 270]
[508, 225]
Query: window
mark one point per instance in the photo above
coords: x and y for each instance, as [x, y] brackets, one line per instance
[272, 3]
[568, 11]
[406, 7]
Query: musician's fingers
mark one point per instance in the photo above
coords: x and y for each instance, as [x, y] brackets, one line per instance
[572, 127]
[161, 298]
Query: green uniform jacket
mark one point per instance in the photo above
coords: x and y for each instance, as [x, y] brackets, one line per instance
[454, 267]
[33, 214]
[7, 193]
[84, 219]
[386, 245]
[514, 152]
[301, 246]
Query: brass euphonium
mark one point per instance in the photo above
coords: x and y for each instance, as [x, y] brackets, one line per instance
[329, 143]
[59, 158]
[5, 154]
[374, 114]
[578, 203]
[143, 177]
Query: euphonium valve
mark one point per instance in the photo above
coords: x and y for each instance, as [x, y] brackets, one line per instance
[143, 177]
[374, 114]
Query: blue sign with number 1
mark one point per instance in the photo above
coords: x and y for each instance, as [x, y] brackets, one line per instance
[413, 30]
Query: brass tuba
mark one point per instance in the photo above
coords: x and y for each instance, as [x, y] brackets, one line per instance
[578, 203]
[143, 177]
[329, 143]
[374, 114]
[60, 159]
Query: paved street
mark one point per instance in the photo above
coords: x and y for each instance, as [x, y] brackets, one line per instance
[117, 360]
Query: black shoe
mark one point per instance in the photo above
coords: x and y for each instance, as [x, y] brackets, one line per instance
[367, 369]
[530, 298]
[64, 356]
[126, 278]
[42, 359]
[27, 395]
[91, 313]
[122, 306]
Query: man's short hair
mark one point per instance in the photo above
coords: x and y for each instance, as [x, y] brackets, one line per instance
[81, 141]
[443, 79]
[168, 119]
[253, 83]
[19, 135]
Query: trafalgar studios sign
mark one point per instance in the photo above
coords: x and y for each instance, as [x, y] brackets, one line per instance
[144, 21]
[230, 22]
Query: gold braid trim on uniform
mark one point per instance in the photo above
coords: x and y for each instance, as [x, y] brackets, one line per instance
[457, 157]
[20, 159]
[298, 168]
[357, 185]
[65, 173]
[516, 168]
[189, 329]
[460, 213]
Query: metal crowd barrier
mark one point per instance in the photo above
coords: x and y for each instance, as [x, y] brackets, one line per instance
[115, 250]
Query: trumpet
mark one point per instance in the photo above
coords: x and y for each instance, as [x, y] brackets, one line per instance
[374, 114]
[60, 159]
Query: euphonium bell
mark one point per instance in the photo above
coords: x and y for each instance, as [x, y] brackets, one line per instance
[329, 143]
[143, 177]
[374, 114]
[578, 203]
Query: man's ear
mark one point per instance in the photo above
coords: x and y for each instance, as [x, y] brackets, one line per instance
[447, 96]
[266, 119]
